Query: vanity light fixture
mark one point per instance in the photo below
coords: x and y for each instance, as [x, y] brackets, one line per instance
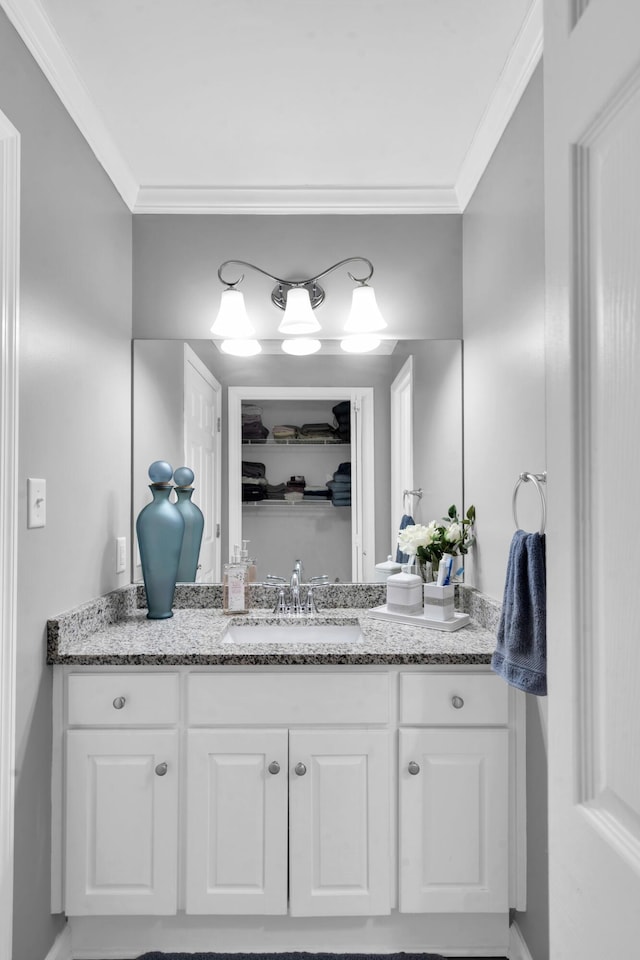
[298, 299]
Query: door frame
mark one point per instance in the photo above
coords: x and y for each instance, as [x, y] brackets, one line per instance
[401, 407]
[192, 359]
[9, 316]
[363, 519]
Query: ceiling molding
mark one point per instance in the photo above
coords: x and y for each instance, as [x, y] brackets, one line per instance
[512, 82]
[297, 200]
[39, 36]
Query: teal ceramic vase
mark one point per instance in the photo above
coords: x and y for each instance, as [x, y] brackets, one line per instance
[193, 527]
[160, 530]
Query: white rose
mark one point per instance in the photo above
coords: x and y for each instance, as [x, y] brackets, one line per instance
[453, 533]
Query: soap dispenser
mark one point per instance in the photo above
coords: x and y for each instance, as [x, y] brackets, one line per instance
[234, 585]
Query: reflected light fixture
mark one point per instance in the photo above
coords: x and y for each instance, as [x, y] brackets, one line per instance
[298, 299]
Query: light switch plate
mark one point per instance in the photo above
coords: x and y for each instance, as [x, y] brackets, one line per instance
[121, 554]
[36, 502]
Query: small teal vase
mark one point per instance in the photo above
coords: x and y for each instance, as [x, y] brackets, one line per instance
[193, 527]
[160, 530]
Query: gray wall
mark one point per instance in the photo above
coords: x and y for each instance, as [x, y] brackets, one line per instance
[74, 369]
[504, 408]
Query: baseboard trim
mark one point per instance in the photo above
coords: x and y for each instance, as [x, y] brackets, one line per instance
[518, 949]
[61, 947]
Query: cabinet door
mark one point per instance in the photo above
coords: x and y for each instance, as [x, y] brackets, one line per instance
[121, 822]
[236, 858]
[453, 820]
[339, 796]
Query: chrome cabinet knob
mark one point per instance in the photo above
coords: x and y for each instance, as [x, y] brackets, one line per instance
[300, 769]
[161, 769]
[457, 702]
[274, 767]
[413, 768]
[119, 703]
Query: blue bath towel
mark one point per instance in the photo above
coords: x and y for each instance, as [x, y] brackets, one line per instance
[520, 656]
[406, 521]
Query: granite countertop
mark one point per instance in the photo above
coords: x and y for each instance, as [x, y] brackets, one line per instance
[115, 630]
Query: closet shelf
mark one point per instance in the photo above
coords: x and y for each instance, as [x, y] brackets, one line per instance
[298, 442]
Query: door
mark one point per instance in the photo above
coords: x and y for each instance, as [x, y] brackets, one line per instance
[401, 447]
[592, 158]
[237, 822]
[454, 820]
[121, 846]
[202, 418]
[339, 795]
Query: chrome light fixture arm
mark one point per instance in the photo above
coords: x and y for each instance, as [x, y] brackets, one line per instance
[310, 284]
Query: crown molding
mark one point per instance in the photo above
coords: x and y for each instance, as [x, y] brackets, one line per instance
[522, 60]
[38, 34]
[297, 200]
[42, 41]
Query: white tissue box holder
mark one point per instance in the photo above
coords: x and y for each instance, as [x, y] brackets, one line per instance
[439, 601]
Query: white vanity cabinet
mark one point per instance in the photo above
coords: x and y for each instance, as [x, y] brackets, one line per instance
[121, 797]
[453, 774]
[316, 823]
[306, 807]
[278, 792]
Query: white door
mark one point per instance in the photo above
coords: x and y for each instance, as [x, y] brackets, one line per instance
[237, 822]
[121, 831]
[202, 418]
[592, 177]
[454, 821]
[339, 794]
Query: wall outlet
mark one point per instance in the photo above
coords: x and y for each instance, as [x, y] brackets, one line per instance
[121, 554]
[36, 502]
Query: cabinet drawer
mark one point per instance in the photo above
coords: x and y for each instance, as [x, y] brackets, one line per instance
[453, 699]
[281, 698]
[122, 699]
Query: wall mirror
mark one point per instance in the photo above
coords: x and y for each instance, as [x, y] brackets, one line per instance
[164, 399]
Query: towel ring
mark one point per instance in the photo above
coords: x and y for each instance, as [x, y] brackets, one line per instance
[537, 479]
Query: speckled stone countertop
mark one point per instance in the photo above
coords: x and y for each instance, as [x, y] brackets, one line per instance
[115, 630]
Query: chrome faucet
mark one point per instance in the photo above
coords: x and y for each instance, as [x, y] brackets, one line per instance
[296, 606]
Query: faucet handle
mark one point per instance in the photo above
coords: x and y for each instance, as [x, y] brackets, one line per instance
[273, 581]
[319, 581]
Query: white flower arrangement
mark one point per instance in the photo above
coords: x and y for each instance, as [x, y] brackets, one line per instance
[429, 542]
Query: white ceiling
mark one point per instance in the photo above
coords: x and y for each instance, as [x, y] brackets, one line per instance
[288, 105]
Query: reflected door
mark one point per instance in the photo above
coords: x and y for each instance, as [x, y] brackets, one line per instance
[202, 394]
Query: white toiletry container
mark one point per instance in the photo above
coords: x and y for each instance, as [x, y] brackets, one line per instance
[439, 601]
[404, 593]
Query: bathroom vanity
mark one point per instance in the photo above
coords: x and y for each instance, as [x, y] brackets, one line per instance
[369, 774]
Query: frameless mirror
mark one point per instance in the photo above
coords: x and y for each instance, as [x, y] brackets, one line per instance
[160, 386]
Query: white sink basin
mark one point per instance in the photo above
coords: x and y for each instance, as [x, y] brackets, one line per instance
[293, 633]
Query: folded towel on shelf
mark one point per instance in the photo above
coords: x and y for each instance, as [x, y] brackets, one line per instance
[344, 470]
[252, 492]
[407, 521]
[275, 491]
[341, 501]
[520, 656]
[285, 431]
[317, 431]
[256, 481]
[250, 468]
[317, 493]
[339, 487]
[255, 432]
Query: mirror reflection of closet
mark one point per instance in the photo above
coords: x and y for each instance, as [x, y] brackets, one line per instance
[333, 536]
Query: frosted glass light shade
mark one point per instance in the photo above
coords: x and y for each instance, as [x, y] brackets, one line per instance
[364, 317]
[241, 348]
[232, 319]
[298, 314]
[360, 343]
[301, 346]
